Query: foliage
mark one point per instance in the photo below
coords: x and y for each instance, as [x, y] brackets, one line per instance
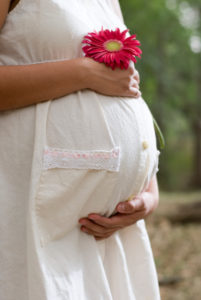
[171, 83]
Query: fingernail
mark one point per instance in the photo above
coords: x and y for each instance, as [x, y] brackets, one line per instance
[92, 217]
[138, 94]
[123, 207]
[82, 222]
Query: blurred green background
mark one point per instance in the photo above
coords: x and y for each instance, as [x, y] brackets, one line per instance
[170, 70]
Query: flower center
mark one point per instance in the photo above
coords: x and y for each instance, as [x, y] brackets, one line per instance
[113, 45]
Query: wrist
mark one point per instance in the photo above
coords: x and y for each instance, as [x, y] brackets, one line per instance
[80, 72]
[83, 72]
[88, 72]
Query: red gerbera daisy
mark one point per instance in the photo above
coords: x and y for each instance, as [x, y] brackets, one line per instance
[112, 47]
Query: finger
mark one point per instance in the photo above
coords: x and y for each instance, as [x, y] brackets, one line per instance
[94, 227]
[97, 234]
[129, 207]
[131, 66]
[103, 221]
[134, 83]
[102, 238]
[129, 219]
[98, 238]
[131, 69]
[137, 76]
[117, 221]
[122, 220]
[138, 203]
[133, 92]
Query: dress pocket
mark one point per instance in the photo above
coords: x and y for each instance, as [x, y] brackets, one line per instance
[71, 185]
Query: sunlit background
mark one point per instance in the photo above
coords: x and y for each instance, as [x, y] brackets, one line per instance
[170, 70]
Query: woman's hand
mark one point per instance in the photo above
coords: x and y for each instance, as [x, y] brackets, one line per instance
[104, 80]
[128, 213]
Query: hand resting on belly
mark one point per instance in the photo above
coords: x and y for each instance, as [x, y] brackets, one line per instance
[128, 213]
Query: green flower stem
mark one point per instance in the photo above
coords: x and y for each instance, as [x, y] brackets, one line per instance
[159, 135]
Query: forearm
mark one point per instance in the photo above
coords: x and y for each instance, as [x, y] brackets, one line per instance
[26, 85]
[22, 86]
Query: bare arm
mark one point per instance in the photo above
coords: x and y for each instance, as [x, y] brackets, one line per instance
[22, 86]
[26, 85]
[4, 7]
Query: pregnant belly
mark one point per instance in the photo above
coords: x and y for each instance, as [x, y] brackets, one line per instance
[86, 123]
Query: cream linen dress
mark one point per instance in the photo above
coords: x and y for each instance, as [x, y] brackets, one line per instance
[63, 159]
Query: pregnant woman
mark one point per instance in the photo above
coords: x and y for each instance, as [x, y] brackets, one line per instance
[76, 141]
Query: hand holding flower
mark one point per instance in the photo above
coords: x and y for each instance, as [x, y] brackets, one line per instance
[104, 80]
[114, 50]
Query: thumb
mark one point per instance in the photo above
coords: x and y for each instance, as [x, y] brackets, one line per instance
[129, 207]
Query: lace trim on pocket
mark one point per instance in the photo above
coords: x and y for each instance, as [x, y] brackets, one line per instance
[75, 159]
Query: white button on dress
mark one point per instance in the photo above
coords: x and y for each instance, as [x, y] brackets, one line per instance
[145, 145]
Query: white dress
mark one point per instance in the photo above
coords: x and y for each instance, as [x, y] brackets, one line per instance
[63, 159]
